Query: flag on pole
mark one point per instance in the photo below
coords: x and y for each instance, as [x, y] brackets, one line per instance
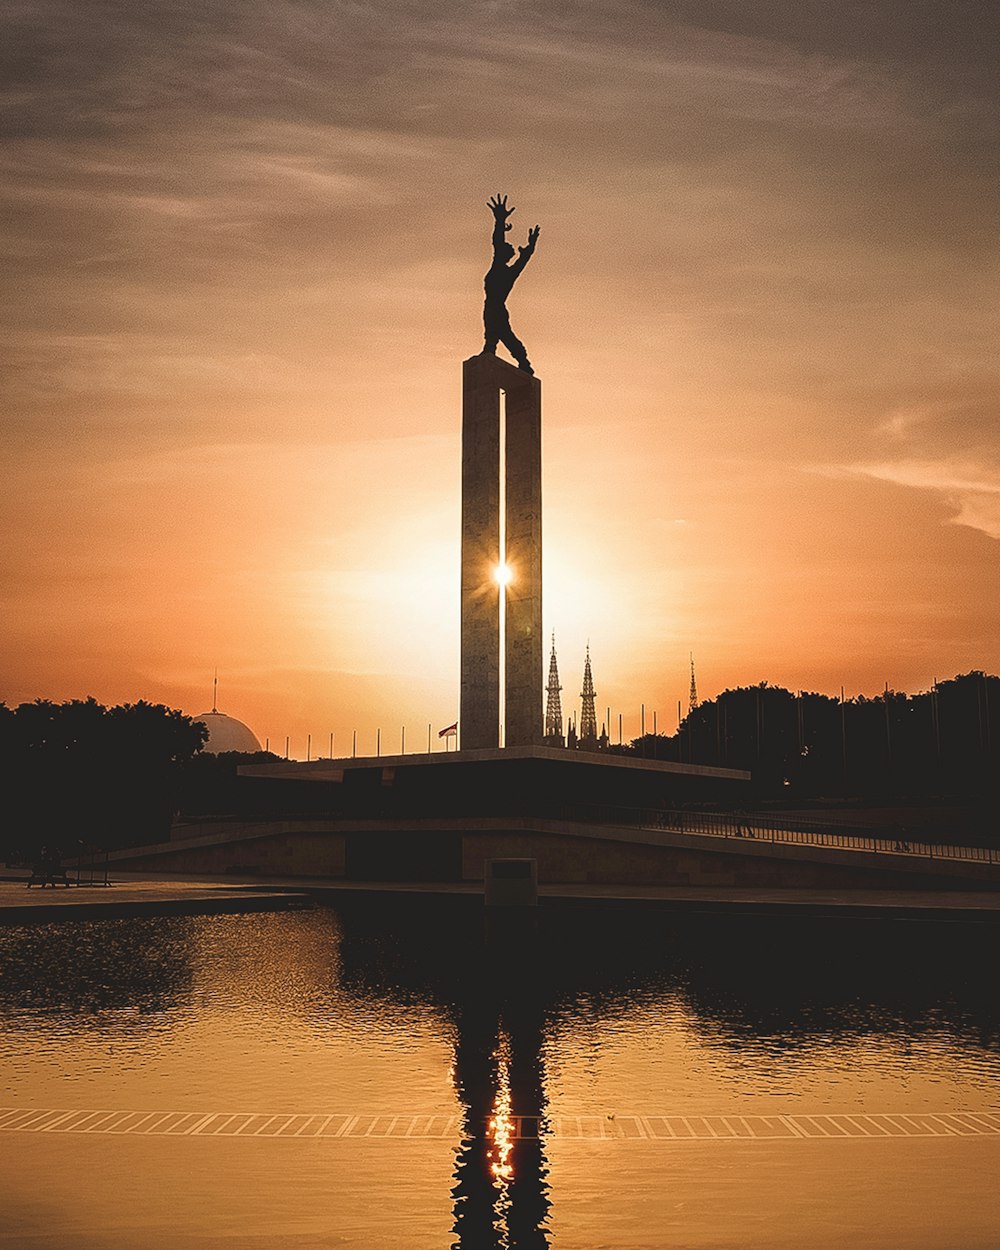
[450, 732]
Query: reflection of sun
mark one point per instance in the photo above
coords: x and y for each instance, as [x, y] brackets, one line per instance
[500, 1136]
[503, 575]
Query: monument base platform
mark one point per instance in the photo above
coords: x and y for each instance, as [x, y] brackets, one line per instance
[584, 818]
[494, 781]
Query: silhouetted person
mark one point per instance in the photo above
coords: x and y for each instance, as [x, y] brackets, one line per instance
[499, 280]
[46, 867]
[39, 867]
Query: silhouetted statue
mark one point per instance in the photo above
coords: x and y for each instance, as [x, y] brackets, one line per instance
[500, 279]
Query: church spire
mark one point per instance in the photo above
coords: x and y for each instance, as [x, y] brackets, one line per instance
[588, 715]
[553, 704]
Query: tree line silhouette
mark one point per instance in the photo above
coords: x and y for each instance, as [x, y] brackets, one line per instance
[942, 742]
[79, 772]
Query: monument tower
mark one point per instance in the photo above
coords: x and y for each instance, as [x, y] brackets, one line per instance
[501, 520]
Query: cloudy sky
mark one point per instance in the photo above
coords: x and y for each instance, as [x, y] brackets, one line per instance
[244, 248]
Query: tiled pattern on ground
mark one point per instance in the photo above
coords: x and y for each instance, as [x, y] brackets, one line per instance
[659, 1128]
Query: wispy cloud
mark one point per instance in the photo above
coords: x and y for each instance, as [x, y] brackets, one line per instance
[972, 491]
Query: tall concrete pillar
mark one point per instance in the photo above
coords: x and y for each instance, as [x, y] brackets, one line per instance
[479, 710]
[483, 380]
[523, 642]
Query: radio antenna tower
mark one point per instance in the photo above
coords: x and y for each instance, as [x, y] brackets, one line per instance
[553, 704]
[693, 692]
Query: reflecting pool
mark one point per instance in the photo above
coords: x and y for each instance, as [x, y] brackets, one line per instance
[384, 1073]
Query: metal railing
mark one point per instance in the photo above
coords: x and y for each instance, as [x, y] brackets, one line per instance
[753, 828]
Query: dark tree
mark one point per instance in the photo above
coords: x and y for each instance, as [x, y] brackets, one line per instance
[943, 743]
[83, 773]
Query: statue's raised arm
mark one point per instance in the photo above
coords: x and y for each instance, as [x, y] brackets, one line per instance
[501, 226]
[501, 277]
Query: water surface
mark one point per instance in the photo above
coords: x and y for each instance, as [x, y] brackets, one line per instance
[630, 1046]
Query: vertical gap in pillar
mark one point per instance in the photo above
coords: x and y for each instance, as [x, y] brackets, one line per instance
[502, 571]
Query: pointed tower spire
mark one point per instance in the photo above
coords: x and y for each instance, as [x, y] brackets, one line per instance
[693, 692]
[553, 704]
[588, 715]
[215, 692]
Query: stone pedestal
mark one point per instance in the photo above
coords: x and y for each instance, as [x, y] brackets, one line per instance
[484, 378]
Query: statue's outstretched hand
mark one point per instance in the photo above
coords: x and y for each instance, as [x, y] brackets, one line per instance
[532, 240]
[497, 204]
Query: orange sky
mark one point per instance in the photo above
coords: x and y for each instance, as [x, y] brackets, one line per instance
[244, 263]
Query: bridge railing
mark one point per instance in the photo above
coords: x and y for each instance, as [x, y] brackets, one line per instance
[709, 824]
[731, 825]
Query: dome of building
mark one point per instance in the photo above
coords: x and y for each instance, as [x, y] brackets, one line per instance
[226, 733]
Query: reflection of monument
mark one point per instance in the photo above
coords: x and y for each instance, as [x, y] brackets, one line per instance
[496, 990]
[501, 1187]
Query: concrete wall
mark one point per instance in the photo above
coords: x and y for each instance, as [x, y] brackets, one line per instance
[579, 860]
[280, 855]
[567, 853]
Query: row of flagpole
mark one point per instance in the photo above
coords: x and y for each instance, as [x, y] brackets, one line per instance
[449, 733]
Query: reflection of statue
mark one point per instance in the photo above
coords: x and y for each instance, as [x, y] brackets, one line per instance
[500, 279]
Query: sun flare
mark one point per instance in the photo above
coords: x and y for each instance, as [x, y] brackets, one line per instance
[503, 575]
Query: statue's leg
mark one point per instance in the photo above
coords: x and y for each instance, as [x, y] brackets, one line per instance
[491, 333]
[516, 348]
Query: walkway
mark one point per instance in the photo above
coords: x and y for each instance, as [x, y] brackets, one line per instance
[775, 830]
[189, 896]
[666, 1128]
[19, 905]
